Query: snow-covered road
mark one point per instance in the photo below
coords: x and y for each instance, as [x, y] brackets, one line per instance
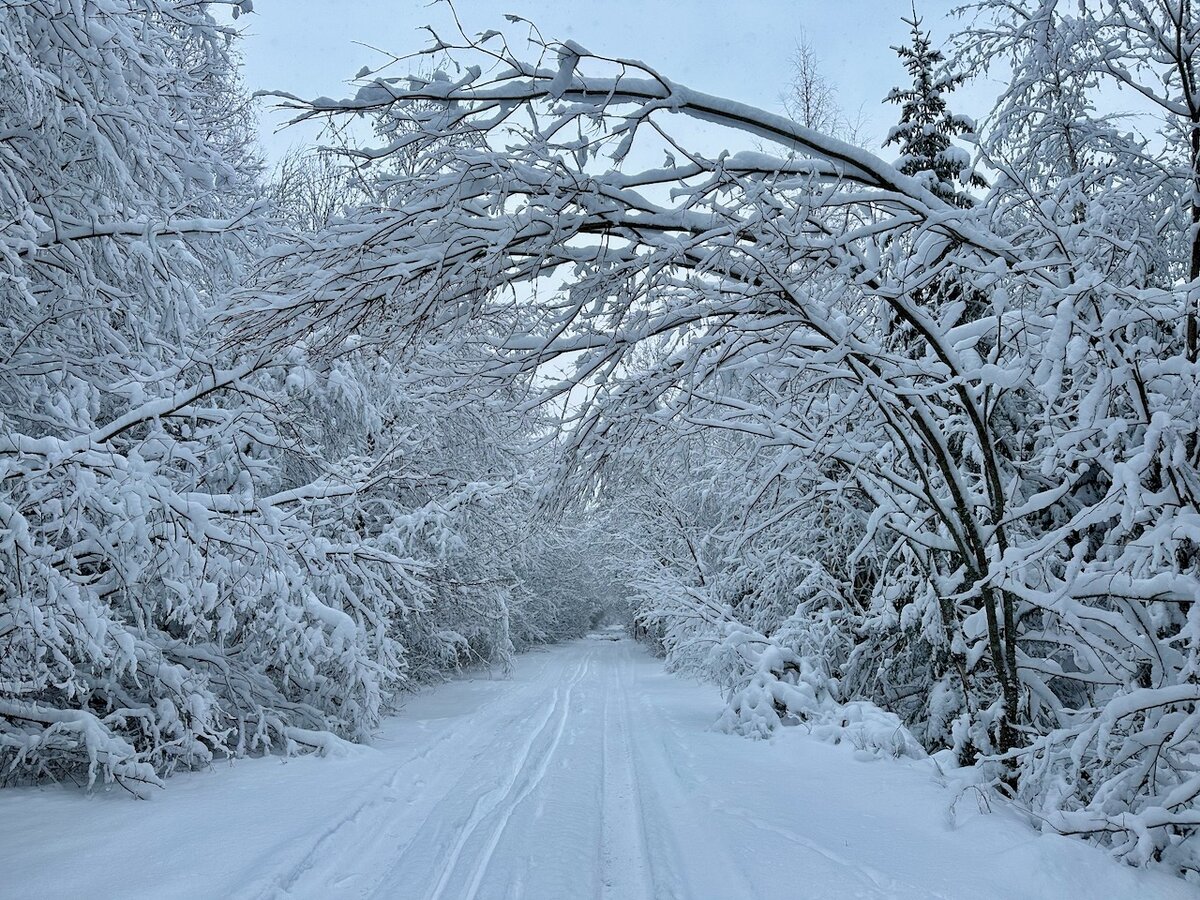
[589, 773]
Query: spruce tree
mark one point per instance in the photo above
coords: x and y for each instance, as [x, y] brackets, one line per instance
[927, 126]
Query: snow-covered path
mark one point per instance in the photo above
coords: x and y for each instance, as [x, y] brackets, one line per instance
[589, 773]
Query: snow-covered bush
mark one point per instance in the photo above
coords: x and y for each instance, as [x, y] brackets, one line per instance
[766, 685]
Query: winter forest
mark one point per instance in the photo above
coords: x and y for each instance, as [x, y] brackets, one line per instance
[533, 356]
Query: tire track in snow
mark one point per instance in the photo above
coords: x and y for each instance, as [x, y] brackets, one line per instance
[342, 838]
[626, 865]
[543, 764]
[672, 804]
[487, 804]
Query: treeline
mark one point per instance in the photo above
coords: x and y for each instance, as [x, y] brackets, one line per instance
[207, 548]
[912, 445]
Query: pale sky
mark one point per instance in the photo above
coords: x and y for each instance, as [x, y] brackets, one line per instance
[737, 50]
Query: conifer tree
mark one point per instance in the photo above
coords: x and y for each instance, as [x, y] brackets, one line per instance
[927, 126]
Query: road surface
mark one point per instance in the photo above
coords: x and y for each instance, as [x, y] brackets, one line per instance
[589, 773]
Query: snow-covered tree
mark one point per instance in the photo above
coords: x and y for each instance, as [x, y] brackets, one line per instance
[863, 450]
[811, 98]
[1017, 477]
[205, 551]
[927, 128]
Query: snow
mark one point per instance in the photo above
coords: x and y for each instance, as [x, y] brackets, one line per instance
[589, 772]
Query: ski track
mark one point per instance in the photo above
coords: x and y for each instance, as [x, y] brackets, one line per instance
[872, 881]
[591, 773]
[284, 882]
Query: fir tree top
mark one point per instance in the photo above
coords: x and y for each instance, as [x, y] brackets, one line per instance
[927, 126]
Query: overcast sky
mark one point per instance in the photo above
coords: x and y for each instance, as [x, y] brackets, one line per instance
[737, 50]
